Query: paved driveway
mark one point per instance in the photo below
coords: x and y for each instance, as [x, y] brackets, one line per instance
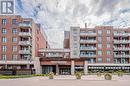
[90, 80]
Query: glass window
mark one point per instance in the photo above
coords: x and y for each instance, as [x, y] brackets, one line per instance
[108, 31]
[100, 46]
[4, 48]
[108, 45]
[14, 31]
[99, 60]
[14, 39]
[3, 57]
[14, 48]
[4, 21]
[108, 60]
[14, 57]
[100, 32]
[108, 52]
[4, 31]
[108, 38]
[13, 21]
[100, 52]
[99, 39]
[4, 39]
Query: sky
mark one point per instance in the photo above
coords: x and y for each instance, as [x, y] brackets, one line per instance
[57, 16]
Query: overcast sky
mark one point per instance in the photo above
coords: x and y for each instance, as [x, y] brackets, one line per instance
[58, 15]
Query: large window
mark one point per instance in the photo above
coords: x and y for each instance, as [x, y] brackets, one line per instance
[99, 32]
[100, 46]
[108, 31]
[108, 52]
[108, 45]
[14, 39]
[14, 57]
[99, 39]
[14, 48]
[3, 57]
[108, 39]
[4, 48]
[4, 31]
[99, 60]
[100, 52]
[14, 21]
[4, 39]
[108, 60]
[14, 31]
[4, 21]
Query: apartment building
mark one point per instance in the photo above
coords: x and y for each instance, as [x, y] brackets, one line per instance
[101, 48]
[20, 40]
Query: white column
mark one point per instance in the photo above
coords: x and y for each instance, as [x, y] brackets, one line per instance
[57, 69]
[85, 67]
[72, 67]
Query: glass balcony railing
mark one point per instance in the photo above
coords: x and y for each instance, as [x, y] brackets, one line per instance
[24, 52]
[121, 41]
[87, 55]
[25, 43]
[121, 48]
[24, 34]
[89, 34]
[87, 48]
[54, 55]
[122, 55]
[25, 24]
[87, 41]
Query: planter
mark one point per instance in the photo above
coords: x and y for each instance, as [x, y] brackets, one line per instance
[51, 75]
[108, 76]
[78, 75]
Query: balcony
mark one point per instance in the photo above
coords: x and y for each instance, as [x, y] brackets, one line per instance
[87, 48]
[87, 34]
[87, 41]
[121, 34]
[54, 55]
[88, 55]
[122, 55]
[24, 34]
[121, 41]
[122, 48]
[23, 24]
[24, 52]
[25, 43]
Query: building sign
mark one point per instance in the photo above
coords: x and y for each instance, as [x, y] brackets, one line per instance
[59, 62]
[7, 7]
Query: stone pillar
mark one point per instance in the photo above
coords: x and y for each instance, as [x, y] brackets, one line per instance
[85, 67]
[72, 67]
[57, 69]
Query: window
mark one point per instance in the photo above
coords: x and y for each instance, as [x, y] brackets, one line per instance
[108, 60]
[14, 39]
[74, 52]
[100, 32]
[108, 45]
[108, 31]
[4, 31]
[4, 39]
[4, 21]
[99, 60]
[108, 52]
[3, 57]
[4, 48]
[14, 57]
[100, 52]
[100, 46]
[108, 38]
[13, 21]
[14, 48]
[99, 39]
[14, 31]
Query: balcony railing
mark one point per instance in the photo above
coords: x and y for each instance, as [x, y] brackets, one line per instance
[87, 48]
[87, 55]
[54, 55]
[87, 41]
[24, 52]
[121, 41]
[89, 34]
[25, 24]
[25, 43]
[121, 34]
[121, 48]
[24, 34]
[122, 55]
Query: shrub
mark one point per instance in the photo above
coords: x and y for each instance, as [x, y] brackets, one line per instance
[51, 75]
[120, 73]
[78, 75]
[99, 74]
[108, 76]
